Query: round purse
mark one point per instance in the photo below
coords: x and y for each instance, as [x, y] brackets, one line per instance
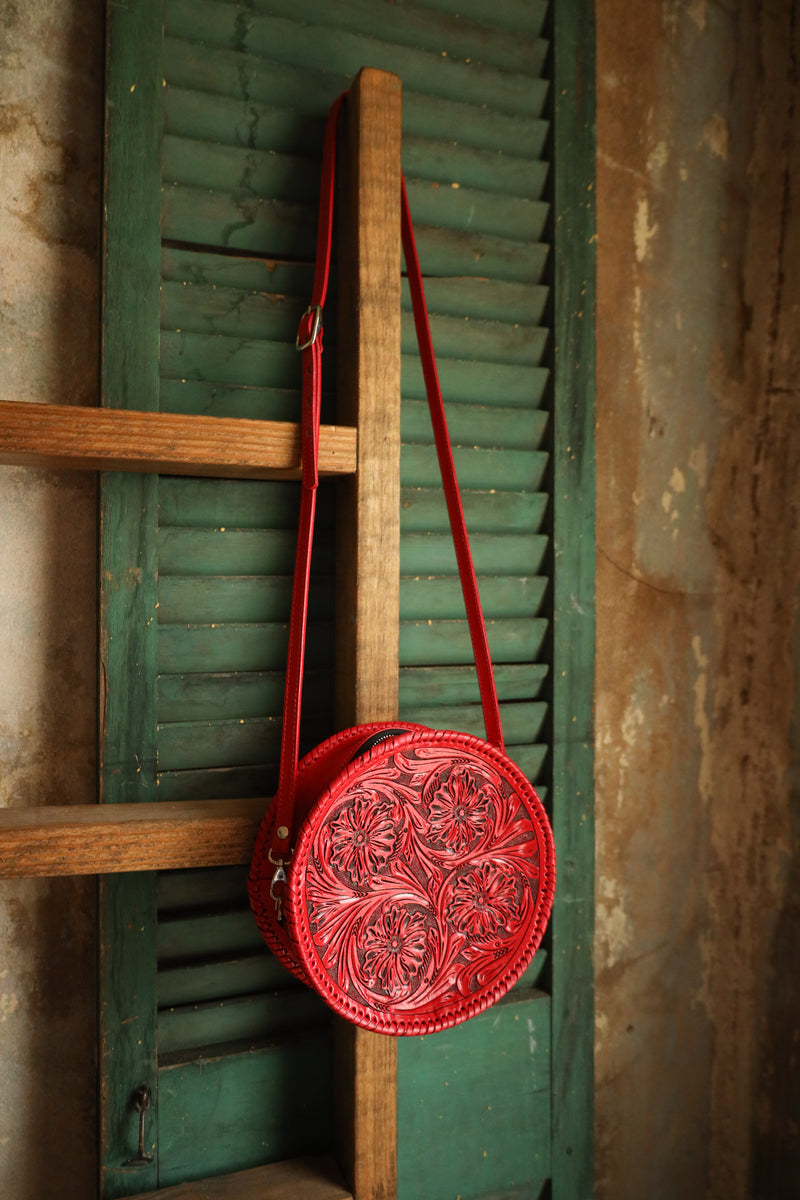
[405, 873]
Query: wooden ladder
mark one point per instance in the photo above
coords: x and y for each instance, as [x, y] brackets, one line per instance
[365, 450]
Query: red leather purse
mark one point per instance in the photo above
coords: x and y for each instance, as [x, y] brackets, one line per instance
[405, 873]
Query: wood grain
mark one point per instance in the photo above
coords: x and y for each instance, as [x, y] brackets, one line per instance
[368, 544]
[98, 839]
[295, 1179]
[108, 439]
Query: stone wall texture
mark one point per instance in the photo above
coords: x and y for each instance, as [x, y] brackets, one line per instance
[698, 469]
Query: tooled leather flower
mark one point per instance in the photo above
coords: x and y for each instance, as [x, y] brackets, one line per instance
[459, 810]
[484, 900]
[394, 948]
[362, 838]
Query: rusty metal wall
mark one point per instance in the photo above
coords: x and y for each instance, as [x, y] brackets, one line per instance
[698, 568]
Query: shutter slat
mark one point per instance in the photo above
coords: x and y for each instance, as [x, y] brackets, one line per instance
[212, 696]
[219, 783]
[423, 510]
[514, 470]
[247, 504]
[243, 599]
[219, 978]
[447, 642]
[477, 425]
[221, 71]
[239, 1019]
[418, 26]
[225, 551]
[276, 39]
[237, 647]
[242, 221]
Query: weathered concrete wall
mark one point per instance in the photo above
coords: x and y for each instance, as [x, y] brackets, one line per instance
[698, 569]
[50, 88]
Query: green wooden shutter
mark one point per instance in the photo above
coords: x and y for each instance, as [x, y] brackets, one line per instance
[216, 112]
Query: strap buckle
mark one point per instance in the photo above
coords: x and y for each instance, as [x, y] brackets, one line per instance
[278, 878]
[315, 312]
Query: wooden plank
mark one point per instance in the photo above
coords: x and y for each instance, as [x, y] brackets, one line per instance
[573, 602]
[293, 1179]
[368, 544]
[102, 839]
[108, 439]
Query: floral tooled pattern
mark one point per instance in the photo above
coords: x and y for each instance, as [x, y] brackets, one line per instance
[459, 809]
[362, 838]
[394, 948]
[421, 882]
[484, 901]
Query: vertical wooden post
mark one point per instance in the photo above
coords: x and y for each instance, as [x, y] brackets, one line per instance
[368, 543]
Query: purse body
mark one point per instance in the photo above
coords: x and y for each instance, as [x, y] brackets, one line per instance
[405, 873]
[421, 880]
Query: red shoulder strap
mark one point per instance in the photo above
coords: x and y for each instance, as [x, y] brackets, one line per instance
[309, 342]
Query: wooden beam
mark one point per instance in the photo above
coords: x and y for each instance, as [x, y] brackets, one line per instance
[97, 839]
[116, 439]
[368, 545]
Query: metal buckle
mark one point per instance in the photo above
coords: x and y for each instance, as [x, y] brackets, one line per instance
[278, 877]
[316, 326]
